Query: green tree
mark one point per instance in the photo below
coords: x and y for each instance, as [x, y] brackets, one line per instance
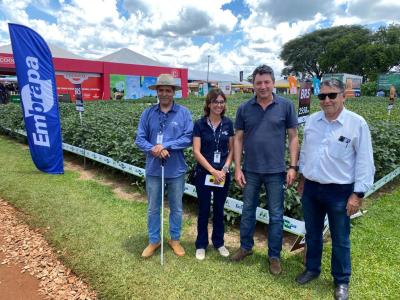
[388, 38]
[369, 88]
[327, 50]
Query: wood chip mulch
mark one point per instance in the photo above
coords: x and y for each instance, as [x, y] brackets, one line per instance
[23, 246]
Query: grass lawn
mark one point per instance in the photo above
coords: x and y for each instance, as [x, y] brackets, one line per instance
[101, 238]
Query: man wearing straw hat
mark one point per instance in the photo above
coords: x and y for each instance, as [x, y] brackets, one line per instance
[164, 131]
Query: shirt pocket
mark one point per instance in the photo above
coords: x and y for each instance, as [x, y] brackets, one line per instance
[339, 149]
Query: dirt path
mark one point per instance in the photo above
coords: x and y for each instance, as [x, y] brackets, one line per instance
[13, 283]
[28, 267]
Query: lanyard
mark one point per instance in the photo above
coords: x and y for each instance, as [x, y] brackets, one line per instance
[216, 140]
[162, 119]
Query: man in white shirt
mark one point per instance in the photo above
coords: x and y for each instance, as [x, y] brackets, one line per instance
[337, 168]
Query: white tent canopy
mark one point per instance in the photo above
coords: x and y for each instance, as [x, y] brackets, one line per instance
[55, 52]
[127, 56]
[201, 75]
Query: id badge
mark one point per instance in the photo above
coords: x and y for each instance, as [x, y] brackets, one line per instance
[159, 138]
[217, 157]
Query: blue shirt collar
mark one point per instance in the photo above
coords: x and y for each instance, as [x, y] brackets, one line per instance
[275, 99]
[174, 107]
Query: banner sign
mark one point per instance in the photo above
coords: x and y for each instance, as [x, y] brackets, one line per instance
[292, 85]
[36, 78]
[304, 102]
[78, 97]
[316, 85]
[385, 81]
[225, 86]
[203, 89]
[91, 85]
[130, 87]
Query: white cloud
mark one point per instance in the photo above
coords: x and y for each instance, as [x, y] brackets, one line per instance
[170, 31]
[374, 10]
[266, 36]
[346, 21]
[288, 10]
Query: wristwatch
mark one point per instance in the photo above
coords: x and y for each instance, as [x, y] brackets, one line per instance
[296, 168]
[359, 194]
[225, 169]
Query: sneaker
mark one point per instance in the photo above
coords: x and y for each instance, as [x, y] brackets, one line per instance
[176, 247]
[149, 250]
[200, 254]
[241, 254]
[223, 251]
[275, 266]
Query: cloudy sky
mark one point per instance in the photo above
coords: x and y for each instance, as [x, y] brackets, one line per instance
[235, 35]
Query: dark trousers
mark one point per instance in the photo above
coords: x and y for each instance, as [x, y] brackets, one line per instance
[319, 200]
[204, 200]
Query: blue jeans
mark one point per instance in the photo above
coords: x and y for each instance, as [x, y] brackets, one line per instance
[174, 188]
[319, 200]
[204, 199]
[275, 195]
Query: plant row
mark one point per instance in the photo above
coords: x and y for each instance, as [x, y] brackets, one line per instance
[109, 128]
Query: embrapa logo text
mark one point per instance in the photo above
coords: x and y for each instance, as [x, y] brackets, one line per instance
[37, 98]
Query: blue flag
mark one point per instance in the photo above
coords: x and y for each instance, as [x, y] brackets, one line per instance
[316, 84]
[37, 85]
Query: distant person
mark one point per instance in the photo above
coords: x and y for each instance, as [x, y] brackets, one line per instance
[337, 168]
[392, 93]
[164, 131]
[213, 151]
[262, 124]
[3, 96]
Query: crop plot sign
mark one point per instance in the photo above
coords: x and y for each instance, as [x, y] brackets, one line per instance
[304, 102]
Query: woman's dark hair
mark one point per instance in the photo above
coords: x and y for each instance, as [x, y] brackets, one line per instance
[212, 96]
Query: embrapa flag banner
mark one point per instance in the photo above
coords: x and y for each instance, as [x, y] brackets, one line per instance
[36, 81]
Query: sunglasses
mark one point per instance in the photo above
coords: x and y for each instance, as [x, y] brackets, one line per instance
[331, 96]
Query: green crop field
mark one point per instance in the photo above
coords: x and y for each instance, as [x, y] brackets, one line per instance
[109, 128]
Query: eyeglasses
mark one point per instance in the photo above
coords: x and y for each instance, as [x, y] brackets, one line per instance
[218, 102]
[331, 96]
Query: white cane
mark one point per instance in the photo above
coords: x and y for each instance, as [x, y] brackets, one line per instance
[162, 211]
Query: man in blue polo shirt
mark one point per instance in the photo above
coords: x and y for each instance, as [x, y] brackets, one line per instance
[261, 127]
[164, 131]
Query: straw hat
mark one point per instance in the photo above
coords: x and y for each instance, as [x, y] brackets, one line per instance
[165, 79]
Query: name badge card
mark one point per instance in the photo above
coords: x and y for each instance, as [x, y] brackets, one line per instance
[217, 157]
[159, 138]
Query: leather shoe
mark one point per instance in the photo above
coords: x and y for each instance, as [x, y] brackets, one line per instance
[275, 266]
[342, 291]
[241, 254]
[306, 276]
[149, 250]
[176, 247]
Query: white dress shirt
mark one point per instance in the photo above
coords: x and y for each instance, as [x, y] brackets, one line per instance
[338, 151]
